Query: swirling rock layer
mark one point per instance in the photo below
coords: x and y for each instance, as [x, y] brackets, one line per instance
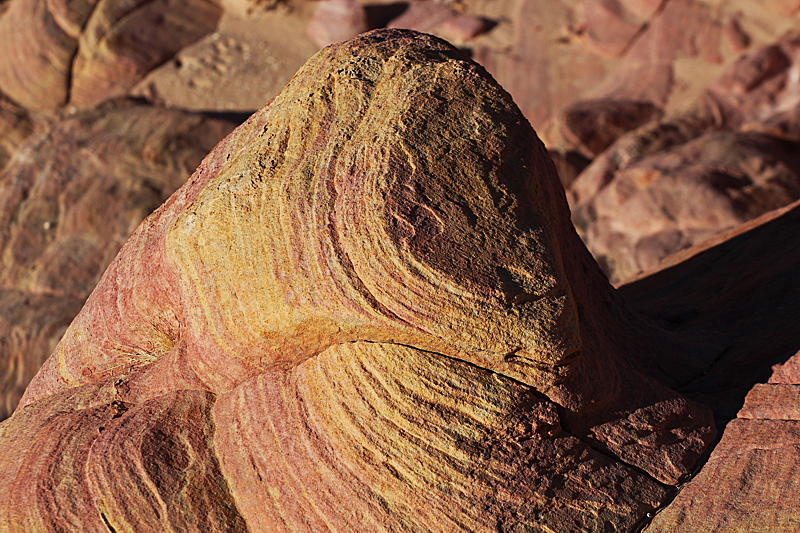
[376, 281]
[87, 51]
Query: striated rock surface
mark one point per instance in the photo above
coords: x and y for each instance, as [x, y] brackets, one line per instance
[85, 52]
[68, 200]
[371, 294]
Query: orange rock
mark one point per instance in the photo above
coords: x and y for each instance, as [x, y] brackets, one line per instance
[376, 282]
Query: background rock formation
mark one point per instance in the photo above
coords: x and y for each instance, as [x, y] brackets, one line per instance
[669, 185]
[69, 199]
[88, 51]
[739, 290]
[296, 282]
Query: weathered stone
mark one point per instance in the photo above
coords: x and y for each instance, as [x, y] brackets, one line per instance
[87, 51]
[675, 183]
[123, 41]
[335, 21]
[761, 90]
[593, 125]
[741, 291]
[684, 195]
[68, 200]
[102, 463]
[377, 276]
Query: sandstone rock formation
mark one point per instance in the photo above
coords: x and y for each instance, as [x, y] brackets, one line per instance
[739, 290]
[55, 52]
[69, 199]
[15, 126]
[675, 183]
[366, 309]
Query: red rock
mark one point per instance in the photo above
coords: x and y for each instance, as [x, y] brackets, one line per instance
[424, 16]
[591, 126]
[461, 28]
[105, 464]
[684, 195]
[608, 29]
[683, 28]
[750, 483]
[335, 21]
[412, 328]
[89, 51]
[68, 201]
[760, 90]
[738, 290]
[787, 373]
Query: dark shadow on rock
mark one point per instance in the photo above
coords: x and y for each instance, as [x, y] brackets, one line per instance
[379, 15]
[745, 287]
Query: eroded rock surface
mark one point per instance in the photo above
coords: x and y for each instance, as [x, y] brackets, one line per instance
[69, 199]
[674, 183]
[740, 291]
[375, 282]
[85, 52]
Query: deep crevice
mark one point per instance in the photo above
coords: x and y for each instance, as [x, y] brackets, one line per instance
[106, 522]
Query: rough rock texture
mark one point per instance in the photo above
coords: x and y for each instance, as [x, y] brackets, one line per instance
[376, 283]
[542, 51]
[740, 290]
[683, 195]
[88, 51]
[674, 183]
[15, 126]
[69, 199]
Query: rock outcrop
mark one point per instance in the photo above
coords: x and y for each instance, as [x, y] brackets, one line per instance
[366, 309]
[70, 197]
[82, 53]
[740, 291]
[674, 183]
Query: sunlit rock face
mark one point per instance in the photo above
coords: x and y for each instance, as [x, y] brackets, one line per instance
[366, 310]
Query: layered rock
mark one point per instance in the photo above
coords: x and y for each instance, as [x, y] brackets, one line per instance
[88, 51]
[69, 198]
[376, 284]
